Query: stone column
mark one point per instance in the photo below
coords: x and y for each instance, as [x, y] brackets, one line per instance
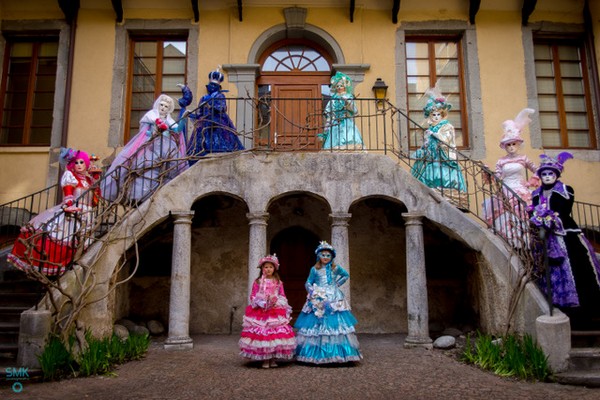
[339, 241]
[416, 284]
[244, 78]
[179, 306]
[257, 244]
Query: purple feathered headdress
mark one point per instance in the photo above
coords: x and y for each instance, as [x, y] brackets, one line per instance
[555, 164]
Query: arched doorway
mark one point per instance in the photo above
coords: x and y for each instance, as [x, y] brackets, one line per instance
[295, 246]
[294, 87]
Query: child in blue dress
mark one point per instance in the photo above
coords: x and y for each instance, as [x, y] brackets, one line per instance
[326, 324]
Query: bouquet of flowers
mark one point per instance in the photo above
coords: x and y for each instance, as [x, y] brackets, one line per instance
[544, 218]
[318, 298]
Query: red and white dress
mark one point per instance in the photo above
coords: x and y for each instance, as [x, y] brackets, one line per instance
[266, 330]
[47, 242]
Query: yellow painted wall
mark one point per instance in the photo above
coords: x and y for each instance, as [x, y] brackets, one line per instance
[22, 171]
[92, 81]
[503, 86]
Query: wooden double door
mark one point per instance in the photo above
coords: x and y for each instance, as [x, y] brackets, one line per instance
[296, 104]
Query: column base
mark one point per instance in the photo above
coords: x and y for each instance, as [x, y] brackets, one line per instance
[411, 342]
[179, 343]
[554, 337]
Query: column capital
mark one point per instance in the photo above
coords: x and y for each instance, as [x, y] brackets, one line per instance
[340, 218]
[413, 218]
[257, 218]
[182, 216]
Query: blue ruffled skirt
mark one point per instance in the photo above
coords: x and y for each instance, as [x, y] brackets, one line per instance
[329, 339]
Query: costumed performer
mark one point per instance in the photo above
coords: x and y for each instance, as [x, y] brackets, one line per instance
[504, 211]
[574, 268]
[154, 156]
[325, 327]
[436, 164]
[214, 132]
[340, 111]
[48, 242]
[266, 332]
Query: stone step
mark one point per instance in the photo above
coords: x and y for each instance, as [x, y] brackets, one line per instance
[9, 350]
[9, 327]
[583, 339]
[21, 286]
[585, 359]
[19, 299]
[11, 314]
[579, 378]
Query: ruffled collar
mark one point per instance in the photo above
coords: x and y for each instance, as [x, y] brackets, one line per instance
[435, 128]
[558, 188]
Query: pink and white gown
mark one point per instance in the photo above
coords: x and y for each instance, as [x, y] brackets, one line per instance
[266, 331]
[506, 214]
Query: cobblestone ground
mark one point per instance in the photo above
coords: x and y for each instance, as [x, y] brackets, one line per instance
[213, 370]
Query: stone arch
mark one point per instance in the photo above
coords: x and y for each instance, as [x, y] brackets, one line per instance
[298, 220]
[342, 181]
[219, 248]
[309, 32]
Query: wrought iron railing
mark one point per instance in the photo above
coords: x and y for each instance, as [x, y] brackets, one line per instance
[281, 124]
[16, 213]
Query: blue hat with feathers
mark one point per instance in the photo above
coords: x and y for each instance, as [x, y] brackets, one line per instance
[323, 245]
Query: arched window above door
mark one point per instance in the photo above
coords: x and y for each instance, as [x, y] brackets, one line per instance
[294, 58]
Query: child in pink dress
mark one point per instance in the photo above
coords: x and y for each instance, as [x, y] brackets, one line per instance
[266, 331]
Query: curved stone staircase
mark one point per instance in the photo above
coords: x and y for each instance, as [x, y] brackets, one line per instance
[16, 295]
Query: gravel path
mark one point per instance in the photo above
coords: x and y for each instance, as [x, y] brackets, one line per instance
[213, 370]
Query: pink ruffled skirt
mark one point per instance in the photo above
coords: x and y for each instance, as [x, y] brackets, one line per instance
[267, 334]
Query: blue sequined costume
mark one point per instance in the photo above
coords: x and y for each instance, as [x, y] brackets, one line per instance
[214, 132]
[326, 324]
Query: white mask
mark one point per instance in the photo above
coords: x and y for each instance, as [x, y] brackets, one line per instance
[548, 177]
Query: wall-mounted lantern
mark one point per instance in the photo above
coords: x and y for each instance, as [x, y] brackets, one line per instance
[380, 92]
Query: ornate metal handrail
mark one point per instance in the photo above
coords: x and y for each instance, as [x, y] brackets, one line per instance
[286, 124]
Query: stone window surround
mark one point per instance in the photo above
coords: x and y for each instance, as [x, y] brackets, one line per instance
[18, 27]
[471, 75]
[532, 97]
[120, 67]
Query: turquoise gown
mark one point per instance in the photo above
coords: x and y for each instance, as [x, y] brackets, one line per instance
[341, 132]
[325, 327]
[433, 165]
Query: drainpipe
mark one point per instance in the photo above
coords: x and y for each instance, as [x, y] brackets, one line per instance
[71, 17]
[70, 8]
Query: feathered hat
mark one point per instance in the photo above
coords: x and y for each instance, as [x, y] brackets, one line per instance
[554, 164]
[436, 100]
[216, 76]
[513, 128]
[344, 79]
[269, 259]
[323, 245]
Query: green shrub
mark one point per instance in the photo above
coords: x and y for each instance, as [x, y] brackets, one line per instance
[508, 356]
[94, 360]
[56, 360]
[136, 346]
[98, 358]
